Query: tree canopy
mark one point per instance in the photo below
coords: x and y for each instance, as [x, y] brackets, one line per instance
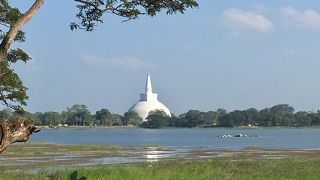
[77, 115]
[12, 91]
[91, 11]
[131, 118]
[157, 119]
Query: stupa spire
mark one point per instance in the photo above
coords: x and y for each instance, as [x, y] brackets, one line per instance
[148, 84]
[148, 95]
[148, 102]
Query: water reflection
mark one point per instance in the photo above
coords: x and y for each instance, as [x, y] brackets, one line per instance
[152, 154]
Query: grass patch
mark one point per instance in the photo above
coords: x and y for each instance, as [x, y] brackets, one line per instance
[290, 168]
[252, 148]
[44, 147]
[46, 150]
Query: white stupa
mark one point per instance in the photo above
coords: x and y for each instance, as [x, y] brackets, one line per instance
[148, 102]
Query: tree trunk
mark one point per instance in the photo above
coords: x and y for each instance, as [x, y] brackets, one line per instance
[11, 34]
[13, 130]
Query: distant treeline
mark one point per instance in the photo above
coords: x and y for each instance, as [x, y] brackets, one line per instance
[79, 115]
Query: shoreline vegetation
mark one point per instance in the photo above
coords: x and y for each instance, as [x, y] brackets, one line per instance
[282, 115]
[137, 127]
[51, 161]
[291, 168]
[86, 127]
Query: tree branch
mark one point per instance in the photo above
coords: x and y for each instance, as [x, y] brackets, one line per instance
[13, 130]
[91, 11]
[11, 34]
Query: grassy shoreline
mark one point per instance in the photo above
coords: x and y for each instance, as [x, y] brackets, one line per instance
[87, 127]
[289, 168]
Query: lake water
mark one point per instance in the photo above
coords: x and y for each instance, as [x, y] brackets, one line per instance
[297, 138]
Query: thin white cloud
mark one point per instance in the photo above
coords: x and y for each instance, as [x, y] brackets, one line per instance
[308, 19]
[126, 62]
[247, 20]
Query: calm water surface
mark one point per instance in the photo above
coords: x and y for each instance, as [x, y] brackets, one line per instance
[300, 138]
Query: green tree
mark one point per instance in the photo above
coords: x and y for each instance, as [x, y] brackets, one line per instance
[179, 121]
[240, 118]
[282, 114]
[157, 119]
[315, 118]
[252, 116]
[117, 120]
[278, 115]
[211, 118]
[12, 91]
[131, 118]
[51, 118]
[221, 113]
[302, 118]
[104, 117]
[194, 118]
[78, 115]
[37, 120]
[237, 118]
[265, 118]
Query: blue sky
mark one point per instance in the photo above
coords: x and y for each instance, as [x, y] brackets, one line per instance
[225, 54]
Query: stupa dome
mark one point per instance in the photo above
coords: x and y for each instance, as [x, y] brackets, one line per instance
[148, 102]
